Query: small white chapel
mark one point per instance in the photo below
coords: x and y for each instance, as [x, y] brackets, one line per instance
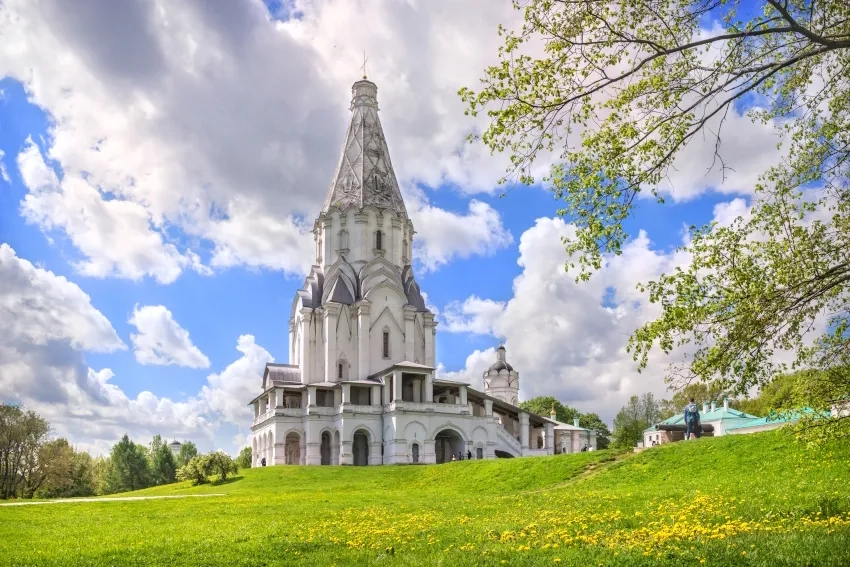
[361, 388]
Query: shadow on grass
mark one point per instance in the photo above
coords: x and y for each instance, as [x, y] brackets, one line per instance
[230, 480]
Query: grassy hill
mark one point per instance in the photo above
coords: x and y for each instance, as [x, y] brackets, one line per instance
[738, 500]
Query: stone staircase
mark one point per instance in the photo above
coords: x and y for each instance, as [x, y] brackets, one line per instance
[507, 442]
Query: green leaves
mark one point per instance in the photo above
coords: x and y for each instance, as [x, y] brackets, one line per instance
[615, 94]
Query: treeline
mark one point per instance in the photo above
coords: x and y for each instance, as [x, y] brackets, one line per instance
[34, 465]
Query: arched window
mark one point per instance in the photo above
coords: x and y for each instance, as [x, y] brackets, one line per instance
[379, 240]
[339, 371]
[343, 239]
[386, 344]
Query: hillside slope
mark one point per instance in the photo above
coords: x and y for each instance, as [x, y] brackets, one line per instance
[738, 500]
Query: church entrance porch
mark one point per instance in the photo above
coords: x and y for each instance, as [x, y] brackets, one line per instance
[360, 448]
[292, 449]
[447, 443]
[415, 452]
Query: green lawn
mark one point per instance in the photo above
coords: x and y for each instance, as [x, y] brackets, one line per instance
[738, 500]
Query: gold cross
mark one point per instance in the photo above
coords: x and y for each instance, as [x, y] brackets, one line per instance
[364, 64]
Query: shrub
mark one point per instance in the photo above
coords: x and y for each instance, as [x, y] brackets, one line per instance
[199, 469]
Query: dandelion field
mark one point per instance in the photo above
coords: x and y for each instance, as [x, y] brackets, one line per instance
[739, 500]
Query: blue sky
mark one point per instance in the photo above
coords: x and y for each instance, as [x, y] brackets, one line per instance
[251, 292]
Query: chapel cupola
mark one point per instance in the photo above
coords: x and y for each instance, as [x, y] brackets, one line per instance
[363, 216]
[501, 380]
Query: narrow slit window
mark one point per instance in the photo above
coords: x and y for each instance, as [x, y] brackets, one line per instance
[386, 344]
[379, 240]
[339, 371]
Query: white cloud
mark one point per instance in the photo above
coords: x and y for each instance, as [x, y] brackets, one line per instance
[444, 236]
[473, 315]
[4, 174]
[472, 372]
[558, 335]
[38, 307]
[229, 392]
[234, 144]
[47, 323]
[162, 341]
[116, 236]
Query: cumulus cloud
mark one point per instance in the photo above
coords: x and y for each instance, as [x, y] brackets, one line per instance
[567, 340]
[228, 392]
[48, 323]
[445, 235]
[473, 315]
[162, 341]
[231, 145]
[4, 173]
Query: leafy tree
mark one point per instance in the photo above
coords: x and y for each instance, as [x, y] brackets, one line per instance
[164, 466]
[638, 414]
[188, 451]
[243, 461]
[22, 435]
[153, 448]
[222, 464]
[102, 473]
[620, 89]
[542, 405]
[129, 470]
[71, 475]
[200, 468]
[195, 471]
[594, 422]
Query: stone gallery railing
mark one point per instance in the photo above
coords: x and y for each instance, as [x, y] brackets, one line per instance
[433, 407]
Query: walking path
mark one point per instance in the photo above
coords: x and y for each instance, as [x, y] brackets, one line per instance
[114, 499]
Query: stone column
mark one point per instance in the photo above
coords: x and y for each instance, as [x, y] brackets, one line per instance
[488, 408]
[311, 396]
[550, 438]
[327, 240]
[337, 397]
[462, 396]
[278, 402]
[346, 394]
[417, 390]
[429, 387]
[396, 238]
[575, 442]
[523, 430]
[409, 334]
[376, 395]
[331, 316]
[397, 386]
[364, 321]
[304, 355]
[256, 409]
[314, 443]
[429, 329]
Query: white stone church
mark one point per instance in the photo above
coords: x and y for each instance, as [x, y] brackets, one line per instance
[361, 387]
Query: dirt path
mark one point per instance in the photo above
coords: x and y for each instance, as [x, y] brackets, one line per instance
[115, 499]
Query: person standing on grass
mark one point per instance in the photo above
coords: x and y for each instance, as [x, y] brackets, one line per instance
[468, 455]
[692, 424]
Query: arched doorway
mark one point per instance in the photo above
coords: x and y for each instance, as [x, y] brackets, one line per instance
[447, 443]
[415, 451]
[325, 449]
[479, 453]
[292, 448]
[360, 448]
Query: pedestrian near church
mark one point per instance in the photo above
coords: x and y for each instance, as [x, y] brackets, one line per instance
[692, 424]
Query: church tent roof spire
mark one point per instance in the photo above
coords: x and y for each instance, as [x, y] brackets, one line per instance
[365, 173]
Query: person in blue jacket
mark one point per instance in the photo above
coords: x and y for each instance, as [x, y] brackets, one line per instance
[692, 423]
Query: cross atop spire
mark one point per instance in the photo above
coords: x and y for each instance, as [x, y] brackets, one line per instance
[365, 59]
